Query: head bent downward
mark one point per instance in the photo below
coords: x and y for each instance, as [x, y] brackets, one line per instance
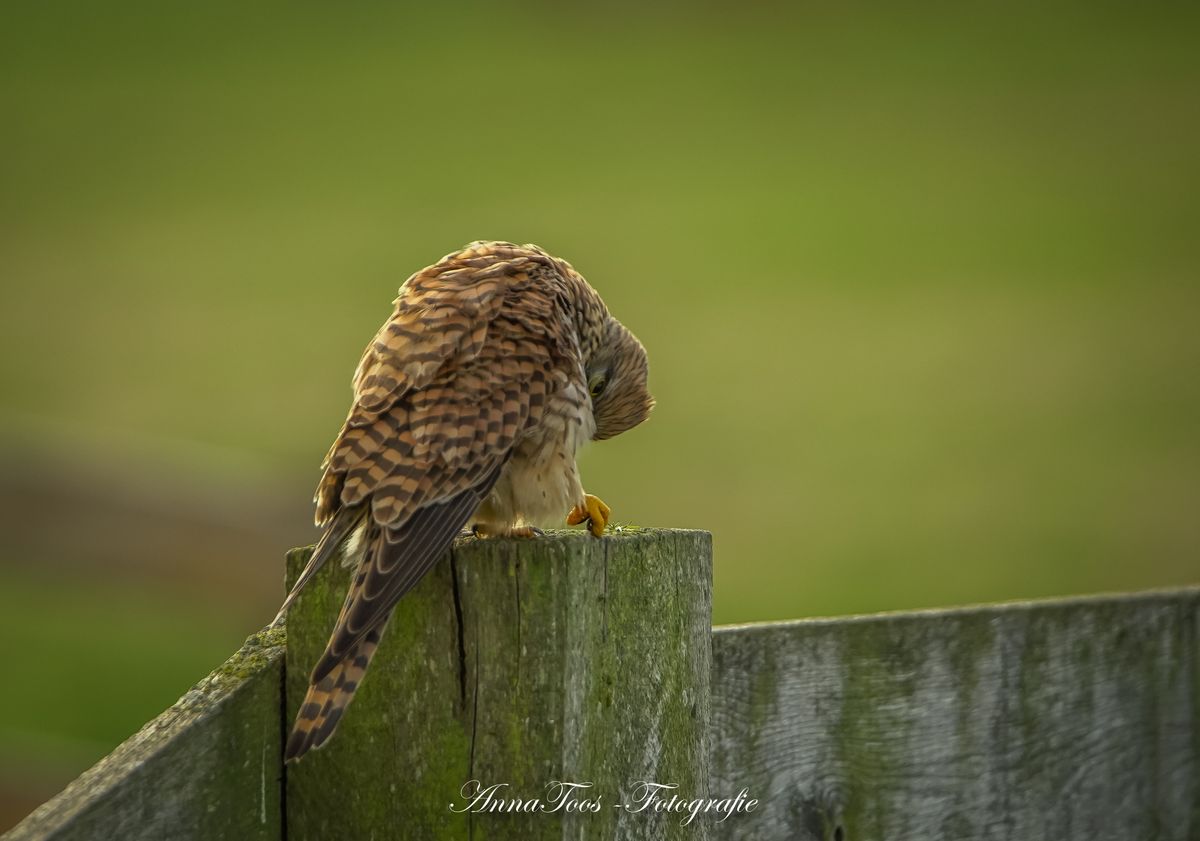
[617, 377]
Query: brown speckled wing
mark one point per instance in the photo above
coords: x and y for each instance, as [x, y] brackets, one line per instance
[396, 561]
[459, 371]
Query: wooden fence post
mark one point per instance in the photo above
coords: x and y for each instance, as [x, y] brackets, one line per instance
[516, 664]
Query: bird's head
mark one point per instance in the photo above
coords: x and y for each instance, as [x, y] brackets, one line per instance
[617, 374]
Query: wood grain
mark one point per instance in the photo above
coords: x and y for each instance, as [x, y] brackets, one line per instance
[518, 663]
[1069, 719]
[585, 660]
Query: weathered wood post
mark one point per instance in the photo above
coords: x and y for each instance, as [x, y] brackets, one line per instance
[516, 664]
[1073, 719]
[588, 661]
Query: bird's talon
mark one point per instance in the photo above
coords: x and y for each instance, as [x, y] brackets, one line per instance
[592, 510]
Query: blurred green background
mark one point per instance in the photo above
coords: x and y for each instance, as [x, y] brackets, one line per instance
[919, 286]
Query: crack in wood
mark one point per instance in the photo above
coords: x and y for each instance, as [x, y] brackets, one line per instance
[458, 625]
[284, 730]
[474, 727]
[517, 578]
[604, 591]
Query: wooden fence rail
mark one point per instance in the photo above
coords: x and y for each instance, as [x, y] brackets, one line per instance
[519, 663]
[1065, 719]
[209, 767]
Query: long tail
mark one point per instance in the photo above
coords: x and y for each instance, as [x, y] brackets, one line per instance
[327, 699]
[393, 561]
[329, 694]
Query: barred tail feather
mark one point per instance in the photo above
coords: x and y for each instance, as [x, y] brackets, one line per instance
[328, 698]
[393, 561]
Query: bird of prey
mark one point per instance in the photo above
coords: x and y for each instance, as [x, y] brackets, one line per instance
[498, 363]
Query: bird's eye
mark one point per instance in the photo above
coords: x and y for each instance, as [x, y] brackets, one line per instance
[596, 386]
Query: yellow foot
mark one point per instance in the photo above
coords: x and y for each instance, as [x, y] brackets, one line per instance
[593, 510]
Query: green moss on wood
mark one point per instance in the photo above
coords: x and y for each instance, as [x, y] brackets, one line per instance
[259, 651]
[575, 659]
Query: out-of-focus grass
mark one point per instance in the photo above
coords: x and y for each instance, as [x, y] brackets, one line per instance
[78, 644]
[919, 286]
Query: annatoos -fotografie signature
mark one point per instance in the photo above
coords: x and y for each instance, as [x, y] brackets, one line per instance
[578, 798]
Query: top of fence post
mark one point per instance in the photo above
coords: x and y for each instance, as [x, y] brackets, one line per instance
[514, 664]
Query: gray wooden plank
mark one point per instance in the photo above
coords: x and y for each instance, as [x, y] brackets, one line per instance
[207, 768]
[1068, 719]
[516, 662]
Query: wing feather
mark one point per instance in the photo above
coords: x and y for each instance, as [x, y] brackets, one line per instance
[399, 559]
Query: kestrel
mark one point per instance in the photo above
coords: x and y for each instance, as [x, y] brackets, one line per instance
[470, 405]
